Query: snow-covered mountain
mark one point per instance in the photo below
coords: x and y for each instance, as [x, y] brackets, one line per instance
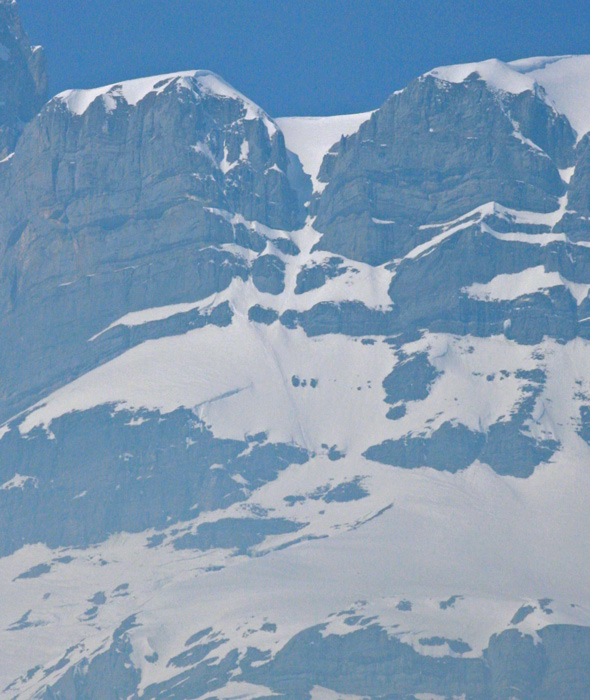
[298, 408]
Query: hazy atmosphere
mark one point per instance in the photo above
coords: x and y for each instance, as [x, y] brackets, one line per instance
[294, 350]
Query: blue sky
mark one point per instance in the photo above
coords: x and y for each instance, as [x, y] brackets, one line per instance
[296, 56]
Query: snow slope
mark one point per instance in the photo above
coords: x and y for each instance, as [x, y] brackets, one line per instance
[427, 548]
[436, 557]
[415, 539]
[310, 138]
[565, 80]
[131, 92]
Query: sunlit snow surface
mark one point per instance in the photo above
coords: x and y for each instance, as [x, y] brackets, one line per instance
[420, 536]
[312, 137]
[563, 78]
[131, 92]
[419, 539]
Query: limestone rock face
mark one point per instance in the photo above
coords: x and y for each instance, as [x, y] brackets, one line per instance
[294, 414]
[432, 153]
[126, 198]
[23, 78]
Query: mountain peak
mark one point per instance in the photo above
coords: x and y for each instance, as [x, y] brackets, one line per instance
[131, 92]
[564, 80]
[258, 441]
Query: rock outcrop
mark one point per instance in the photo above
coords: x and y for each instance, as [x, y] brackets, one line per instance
[23, 78]
[273, 432]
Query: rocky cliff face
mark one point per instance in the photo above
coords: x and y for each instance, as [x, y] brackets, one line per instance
[434, 152]
[125, 198]
[271, 428]
[23, 80]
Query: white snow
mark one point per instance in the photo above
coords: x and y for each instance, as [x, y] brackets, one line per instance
[541, 239]
[513, 216]
[497, 74]
[527, 142]
[425, 549]
[206, 151]
[534, 279]
[360, 282]
[18, 482]
[138, 318]
[476, 387]
[239, 691]
[132, 92]
[225, 165]
[448, 230]
[471, 218]
[238, 379]
[528, 217]
[219, 372]
[567, 174]
[319, 693]
[565, 81]
[245, 150]
[310, 138]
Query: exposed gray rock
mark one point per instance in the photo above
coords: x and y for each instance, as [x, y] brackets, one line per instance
[410, 379]
[122, 208]
[259, 314]
[108, 676]
[522, 614]
[345, 492]
[23, 79]
[117, 208]
[584, 430]
[35, 571]
[579, 190]
[241, 534]
[432, 153]
[428, 292]
[517, 666]
[367, 662]
[108, 471]
[268, 274]
[316, 276]
[349, 317]
[449, 448]
[286, 246]
[507, 446]
[120, 337]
